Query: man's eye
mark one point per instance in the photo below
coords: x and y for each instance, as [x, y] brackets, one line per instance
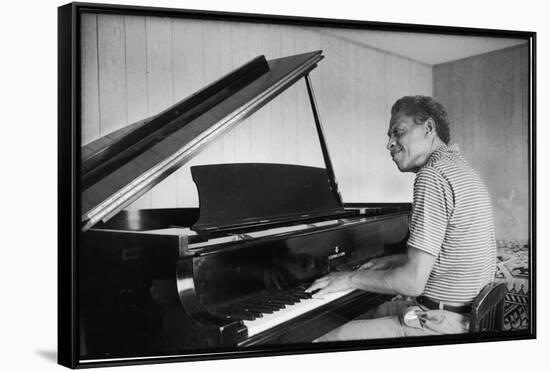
[396, 133]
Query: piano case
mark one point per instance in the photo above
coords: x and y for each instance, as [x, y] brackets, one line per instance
[232, 273]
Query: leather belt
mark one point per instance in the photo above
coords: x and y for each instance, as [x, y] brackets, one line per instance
[435, 304]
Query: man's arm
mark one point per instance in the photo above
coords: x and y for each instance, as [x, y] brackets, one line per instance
[385, 262]
[408, 279]
[433, 204]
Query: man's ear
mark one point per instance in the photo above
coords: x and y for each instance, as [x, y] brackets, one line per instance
[429, 126]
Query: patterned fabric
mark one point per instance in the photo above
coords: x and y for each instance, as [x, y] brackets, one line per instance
[513, 268]
[452, 220]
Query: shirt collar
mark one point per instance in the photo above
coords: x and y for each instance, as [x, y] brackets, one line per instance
[443, 151]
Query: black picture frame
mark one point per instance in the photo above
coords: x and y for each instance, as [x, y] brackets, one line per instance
[69, 224]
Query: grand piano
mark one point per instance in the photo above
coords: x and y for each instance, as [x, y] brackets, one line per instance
[230, 274]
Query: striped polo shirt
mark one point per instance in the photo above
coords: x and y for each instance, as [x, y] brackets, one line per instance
[452, 220]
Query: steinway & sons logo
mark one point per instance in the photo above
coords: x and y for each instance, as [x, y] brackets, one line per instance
[337, 253]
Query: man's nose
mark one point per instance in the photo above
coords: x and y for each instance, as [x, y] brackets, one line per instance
[390, 144]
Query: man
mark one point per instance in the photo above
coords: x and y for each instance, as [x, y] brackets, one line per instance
[451, 247]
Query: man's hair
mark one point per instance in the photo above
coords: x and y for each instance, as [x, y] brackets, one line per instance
[420, 108]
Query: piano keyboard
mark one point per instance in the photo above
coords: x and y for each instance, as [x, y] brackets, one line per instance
[268, 310]
[271, 320]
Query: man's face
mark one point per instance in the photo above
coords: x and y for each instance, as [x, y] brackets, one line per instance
[409, 143]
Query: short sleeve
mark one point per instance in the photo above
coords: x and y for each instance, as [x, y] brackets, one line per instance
[432, 207]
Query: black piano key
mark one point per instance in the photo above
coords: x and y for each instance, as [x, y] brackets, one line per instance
[294, 298]
[275, 302]
[264, 310]
[243, 315]
[262, 307]
[245, 312]
[304, 286]
[285, 297]
[301, 294]
[280, 300]
[241, 307]
[272, 304]
[298, 294]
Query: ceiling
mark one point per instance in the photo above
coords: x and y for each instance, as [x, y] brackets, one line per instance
[425, 48]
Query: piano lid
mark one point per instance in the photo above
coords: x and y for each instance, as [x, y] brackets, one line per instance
[120, 167]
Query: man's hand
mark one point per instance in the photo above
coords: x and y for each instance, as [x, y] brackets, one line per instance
[333, 282]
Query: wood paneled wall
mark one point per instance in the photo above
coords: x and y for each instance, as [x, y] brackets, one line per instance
[487, 101]
[133, 67]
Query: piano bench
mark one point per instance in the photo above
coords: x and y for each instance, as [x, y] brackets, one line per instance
[487, 312]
